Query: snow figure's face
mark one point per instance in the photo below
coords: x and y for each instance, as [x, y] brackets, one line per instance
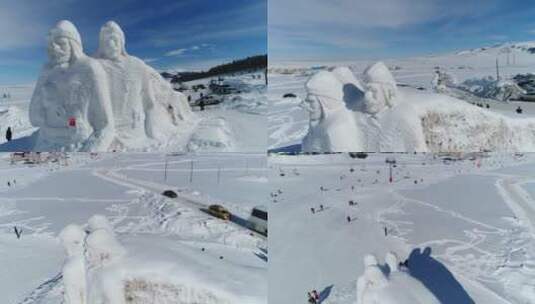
[59, 50]
[374, 98]
[314, 107]
[112, 46]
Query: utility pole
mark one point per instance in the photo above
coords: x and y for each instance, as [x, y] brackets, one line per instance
[497, 70]
[191, 172]
[218, 173]
[165, 170]
[390, 162]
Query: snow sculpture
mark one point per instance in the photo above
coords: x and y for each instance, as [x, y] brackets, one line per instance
[144, 104]
[74, 274]
[70, 103]
[102, 248]
[381, 88]
[99, 221]
[397, 286]
[332, 127]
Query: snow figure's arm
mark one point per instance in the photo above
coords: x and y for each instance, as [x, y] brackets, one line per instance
[100, 115]
[37, 110]
[149, 104]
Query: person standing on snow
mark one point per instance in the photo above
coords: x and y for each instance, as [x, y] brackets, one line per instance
[9, 134]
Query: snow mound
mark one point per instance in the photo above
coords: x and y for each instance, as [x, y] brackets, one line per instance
[488, 87]
[212, 134]
[99, 221]
[140, 291]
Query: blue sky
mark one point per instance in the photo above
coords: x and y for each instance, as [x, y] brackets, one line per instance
[168, 34]
[372, 29]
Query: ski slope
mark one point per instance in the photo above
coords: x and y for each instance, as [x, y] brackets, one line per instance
[171, 244]
[463, 226]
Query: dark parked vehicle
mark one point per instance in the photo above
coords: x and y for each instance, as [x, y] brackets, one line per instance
[169, 193]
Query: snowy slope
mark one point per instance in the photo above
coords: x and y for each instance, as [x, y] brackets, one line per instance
[236, 125]
[289, 121]
[465, 236]
[168, 240]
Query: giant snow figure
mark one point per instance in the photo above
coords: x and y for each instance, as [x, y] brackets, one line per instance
[393, 287]
[144, 104]
[71, 102]
[74, 274]
[331, 127]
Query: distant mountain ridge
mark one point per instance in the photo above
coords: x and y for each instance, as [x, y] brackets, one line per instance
[247, 64]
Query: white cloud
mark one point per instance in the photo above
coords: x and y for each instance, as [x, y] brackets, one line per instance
[149, 60]
[177, 52]
[370, 13]
[191, 49]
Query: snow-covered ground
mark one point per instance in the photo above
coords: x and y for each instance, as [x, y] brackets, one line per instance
[465, 227]
[288, 121]
[174, 250]
[236, 125]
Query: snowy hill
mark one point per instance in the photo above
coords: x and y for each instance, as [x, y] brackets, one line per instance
[430, 216]
[173, 251]
[471, 70]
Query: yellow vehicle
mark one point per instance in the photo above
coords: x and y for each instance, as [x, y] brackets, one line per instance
[219, 212]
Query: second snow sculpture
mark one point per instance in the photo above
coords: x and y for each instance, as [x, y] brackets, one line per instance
[144, 105]
[71, 102]
[113, 102]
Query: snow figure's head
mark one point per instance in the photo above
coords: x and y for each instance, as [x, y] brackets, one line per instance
[102, 248]
[324, 94]
[345, 75]
[111, 41]
[99, 221]
[72, 238]
[381, 88]
[391, 260]
[375, 277]
[64, 44]
[370, 260]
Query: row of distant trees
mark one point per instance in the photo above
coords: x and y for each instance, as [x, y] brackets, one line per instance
[252, 63]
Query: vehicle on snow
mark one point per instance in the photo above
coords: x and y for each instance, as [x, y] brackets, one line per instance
[170, 193]
[219, 212]
[258, 219]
